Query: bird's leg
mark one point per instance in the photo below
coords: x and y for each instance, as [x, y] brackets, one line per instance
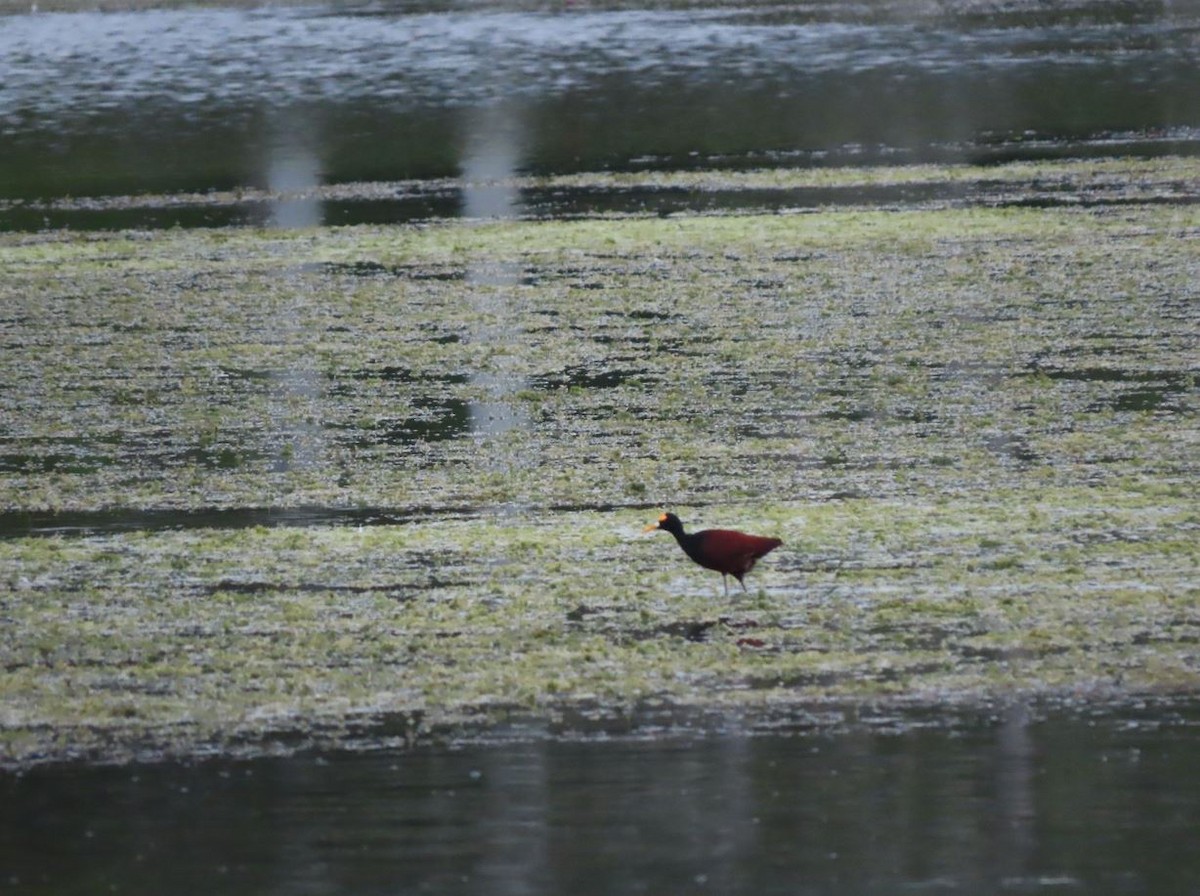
[725, 582]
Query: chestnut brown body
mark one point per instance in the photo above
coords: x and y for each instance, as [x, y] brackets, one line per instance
[729, 552]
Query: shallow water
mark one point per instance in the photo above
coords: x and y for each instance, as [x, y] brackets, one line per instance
[287, 100]
[1091, 802]
[1051, 378]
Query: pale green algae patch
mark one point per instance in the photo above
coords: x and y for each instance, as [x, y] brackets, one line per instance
[975, 429]
[218, 639]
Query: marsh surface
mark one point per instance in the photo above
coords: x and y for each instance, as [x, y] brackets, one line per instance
[321, 562]
[277, 487]
[307, 491]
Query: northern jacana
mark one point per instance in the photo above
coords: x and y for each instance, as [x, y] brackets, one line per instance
[729, 552]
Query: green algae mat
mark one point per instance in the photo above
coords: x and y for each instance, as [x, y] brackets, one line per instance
[365, 486]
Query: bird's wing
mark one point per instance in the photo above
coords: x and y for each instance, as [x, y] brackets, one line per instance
[731, 551]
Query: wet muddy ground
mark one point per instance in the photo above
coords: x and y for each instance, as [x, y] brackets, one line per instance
[1071, 183]
[370, 485]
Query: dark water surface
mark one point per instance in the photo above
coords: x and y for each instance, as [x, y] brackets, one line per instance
[290, 99]
[1070, 803]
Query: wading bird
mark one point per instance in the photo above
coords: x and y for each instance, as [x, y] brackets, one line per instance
[729, 552]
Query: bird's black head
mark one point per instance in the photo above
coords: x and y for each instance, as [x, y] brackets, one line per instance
[668, 521]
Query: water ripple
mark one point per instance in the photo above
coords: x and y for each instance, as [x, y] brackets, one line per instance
[55, 64]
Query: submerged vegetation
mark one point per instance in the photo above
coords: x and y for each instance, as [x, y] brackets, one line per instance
[974, 427]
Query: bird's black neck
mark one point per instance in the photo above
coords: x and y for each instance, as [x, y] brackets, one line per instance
[689, 543]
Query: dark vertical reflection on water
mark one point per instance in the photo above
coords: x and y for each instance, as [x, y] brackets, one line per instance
[293, 168]
[1077, 804]
[493, 153]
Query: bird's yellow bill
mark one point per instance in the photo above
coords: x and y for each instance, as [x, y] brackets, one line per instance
[653, 526]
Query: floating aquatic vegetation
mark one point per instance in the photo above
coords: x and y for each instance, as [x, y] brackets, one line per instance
[975, 430]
